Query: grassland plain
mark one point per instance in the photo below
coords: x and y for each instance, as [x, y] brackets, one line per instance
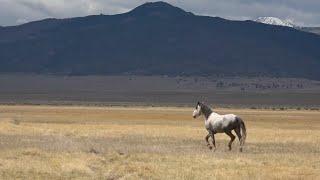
[73, 142]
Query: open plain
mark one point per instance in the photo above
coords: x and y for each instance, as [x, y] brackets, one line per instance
[167, 91]
[74, 142]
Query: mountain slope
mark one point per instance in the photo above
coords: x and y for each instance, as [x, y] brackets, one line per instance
[157, 38]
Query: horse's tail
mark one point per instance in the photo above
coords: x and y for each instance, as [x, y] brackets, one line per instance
[243, 131]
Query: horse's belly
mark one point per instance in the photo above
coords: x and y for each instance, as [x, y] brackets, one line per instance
[214, 127]
[218, 127]
[219, 130]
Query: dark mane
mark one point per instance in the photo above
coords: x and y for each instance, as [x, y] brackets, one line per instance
[205, 110]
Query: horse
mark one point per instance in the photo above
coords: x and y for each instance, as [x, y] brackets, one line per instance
[216, 123]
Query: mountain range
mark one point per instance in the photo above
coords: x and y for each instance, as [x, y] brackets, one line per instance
[158, 39]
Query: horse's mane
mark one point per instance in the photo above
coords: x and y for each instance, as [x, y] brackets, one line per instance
[205, 109]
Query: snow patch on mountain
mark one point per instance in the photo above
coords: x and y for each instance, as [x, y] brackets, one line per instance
[274, 21]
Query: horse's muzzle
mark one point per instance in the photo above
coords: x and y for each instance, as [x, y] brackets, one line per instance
[194, 117]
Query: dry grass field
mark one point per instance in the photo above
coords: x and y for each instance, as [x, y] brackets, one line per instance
[48, 142]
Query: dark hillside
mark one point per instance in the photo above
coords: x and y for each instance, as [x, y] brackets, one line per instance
[157, 38]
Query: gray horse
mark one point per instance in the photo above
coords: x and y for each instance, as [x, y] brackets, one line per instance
[216, 123]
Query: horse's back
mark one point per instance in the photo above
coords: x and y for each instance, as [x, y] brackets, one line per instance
[229, 116]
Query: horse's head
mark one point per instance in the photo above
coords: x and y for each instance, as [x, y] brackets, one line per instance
[197, 112]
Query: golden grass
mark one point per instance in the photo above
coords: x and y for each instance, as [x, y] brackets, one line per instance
[47, 142]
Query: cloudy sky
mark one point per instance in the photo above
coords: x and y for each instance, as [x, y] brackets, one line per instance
[300, 12]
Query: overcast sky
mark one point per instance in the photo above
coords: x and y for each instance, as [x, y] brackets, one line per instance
[300, 12]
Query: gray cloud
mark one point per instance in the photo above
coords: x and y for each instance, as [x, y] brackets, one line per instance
[305, 13]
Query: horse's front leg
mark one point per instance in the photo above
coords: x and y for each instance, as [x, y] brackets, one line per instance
[213, 141]
[207, 140]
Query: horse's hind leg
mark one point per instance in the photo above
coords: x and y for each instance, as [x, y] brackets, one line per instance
[229, 133]
[238, 132]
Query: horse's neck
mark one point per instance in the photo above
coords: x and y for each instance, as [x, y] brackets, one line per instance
[212, 115]
[207, 111]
